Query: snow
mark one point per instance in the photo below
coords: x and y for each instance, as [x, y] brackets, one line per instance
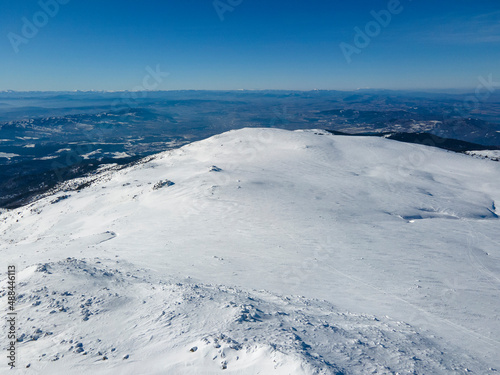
[47, 158]
[202, 329]
[488, 154]
[8, 155]
[305, 253]
[119, 155]
[92, 153]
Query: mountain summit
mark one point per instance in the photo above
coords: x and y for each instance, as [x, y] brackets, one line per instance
[264, 251]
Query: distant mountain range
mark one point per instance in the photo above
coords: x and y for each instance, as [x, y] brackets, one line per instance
[426, 139]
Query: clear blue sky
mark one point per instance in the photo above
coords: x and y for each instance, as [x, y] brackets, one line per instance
[107, 45]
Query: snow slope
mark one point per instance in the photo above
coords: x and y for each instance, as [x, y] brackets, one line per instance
[264, 251]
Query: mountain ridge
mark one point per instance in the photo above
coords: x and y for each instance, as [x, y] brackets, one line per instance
[374, 227]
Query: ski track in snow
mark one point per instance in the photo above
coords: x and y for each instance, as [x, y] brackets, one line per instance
[264, 251]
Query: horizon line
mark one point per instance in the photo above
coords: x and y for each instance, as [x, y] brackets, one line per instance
[242, 90]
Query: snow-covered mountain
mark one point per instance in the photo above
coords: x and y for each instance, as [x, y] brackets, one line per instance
[263, 251]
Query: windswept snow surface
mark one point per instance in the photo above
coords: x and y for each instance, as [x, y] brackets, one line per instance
[264, 251]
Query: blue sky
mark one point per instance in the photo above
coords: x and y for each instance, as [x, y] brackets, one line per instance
[249, 44]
